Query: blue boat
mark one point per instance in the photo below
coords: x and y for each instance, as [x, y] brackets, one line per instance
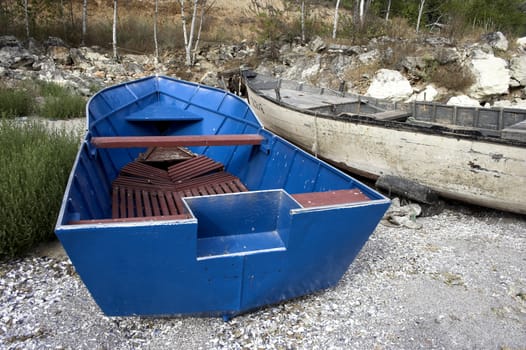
[237, 218]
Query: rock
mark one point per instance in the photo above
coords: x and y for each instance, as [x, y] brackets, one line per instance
[518, 71]
[502, 104]
[496, 40]
[447, 55]
[389, 84]
[463, 100]
[411, 63]
[438, 41]
[369, 57]
[54, 41]
[10, 41]
[344, 49]
[60, 54]
[491, 75]
[428, 94]
[516, 103]
[521, 43]
[210, 79]
[317, 44]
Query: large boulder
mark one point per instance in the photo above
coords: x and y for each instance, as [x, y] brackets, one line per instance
[464, 101]
[391, 85]
[518, 71]
[492, 76]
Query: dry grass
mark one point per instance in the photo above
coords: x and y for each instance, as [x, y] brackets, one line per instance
[452, 77]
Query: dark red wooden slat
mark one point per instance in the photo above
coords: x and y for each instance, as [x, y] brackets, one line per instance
[147, 205]
[162, 203]
[130, 213]
[138, 203]
[172, 207]
[155, 204]
[115, 203]
[172, 141]
[315, 199]
[122, 202]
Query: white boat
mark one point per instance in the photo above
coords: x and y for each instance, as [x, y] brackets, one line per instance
[474, 155]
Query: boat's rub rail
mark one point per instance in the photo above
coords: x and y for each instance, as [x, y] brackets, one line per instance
[175, 141]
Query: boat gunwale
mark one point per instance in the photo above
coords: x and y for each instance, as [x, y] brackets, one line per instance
[435, 129]
[157, 77]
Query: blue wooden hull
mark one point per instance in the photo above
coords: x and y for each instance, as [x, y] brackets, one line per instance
[234, 252]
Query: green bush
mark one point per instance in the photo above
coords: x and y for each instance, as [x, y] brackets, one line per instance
[36, 163]
[63, 107]
[15, 103]
[60, 102]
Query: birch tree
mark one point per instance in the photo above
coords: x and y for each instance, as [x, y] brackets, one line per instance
[388, 10]
[84, 21]
[114, 36]
[204, 9]
[302, 20]
[420, 10]
[189, 37]
[155, 31]
[362, 11]
[335, 28]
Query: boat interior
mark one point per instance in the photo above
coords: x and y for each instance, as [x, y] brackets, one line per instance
[505, 123]
[152, 145]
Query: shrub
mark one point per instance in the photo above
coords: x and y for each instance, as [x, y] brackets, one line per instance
[60, 102]
[15, 103]
[63, 107]
[453, 77]
[35, 167]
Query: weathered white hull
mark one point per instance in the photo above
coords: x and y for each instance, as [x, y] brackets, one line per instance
[485, 173]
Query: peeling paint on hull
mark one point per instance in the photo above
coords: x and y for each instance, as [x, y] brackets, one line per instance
[476, 171]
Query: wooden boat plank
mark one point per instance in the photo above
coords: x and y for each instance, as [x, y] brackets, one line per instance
[171, 141]
[391, 115]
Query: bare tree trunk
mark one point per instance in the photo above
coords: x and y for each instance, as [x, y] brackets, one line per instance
[204, 10]
[189, 60]
[388, 10]
[183, 20]
[335, 28]
[155, 31]
[188, 38]
[420, 10]
[115, 55]
[26, 12]
[303, 21]
[84, 20]
[362, 11]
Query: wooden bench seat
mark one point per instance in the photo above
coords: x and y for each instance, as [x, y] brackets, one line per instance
[174, 141]
[145, 191]
[318, 199]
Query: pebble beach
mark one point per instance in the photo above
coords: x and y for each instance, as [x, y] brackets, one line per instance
[457, 282]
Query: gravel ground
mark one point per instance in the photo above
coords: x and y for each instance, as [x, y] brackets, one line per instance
[459, 282]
